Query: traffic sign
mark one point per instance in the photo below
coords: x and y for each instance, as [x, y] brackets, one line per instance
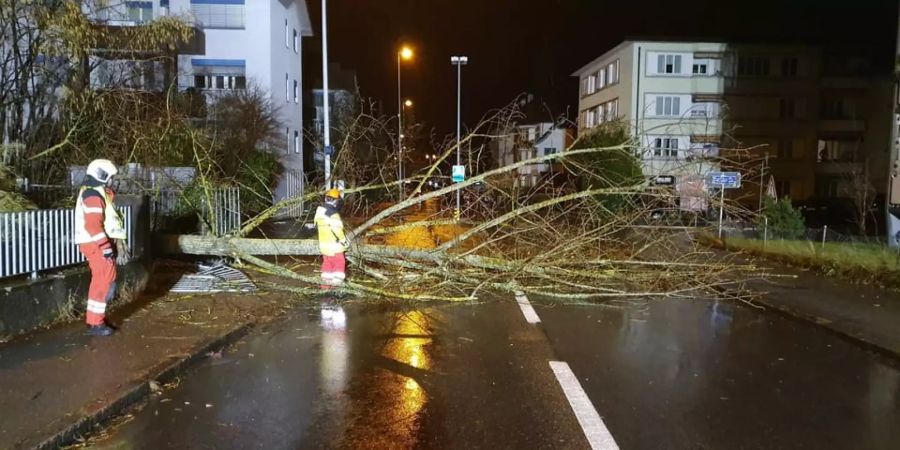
[459, 174]
[664, 180]
[725, 180]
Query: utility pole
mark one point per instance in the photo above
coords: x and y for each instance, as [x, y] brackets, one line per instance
[893, 187]
[458, 61]
[327, 124]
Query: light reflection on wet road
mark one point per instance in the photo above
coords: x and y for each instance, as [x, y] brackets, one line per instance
[668, 374]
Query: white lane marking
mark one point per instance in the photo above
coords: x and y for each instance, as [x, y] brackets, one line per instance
[527, 310]
[591, 423]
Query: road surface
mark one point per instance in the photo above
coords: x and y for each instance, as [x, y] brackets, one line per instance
[667, 374]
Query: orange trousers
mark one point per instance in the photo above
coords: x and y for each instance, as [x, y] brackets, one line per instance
[103, 282]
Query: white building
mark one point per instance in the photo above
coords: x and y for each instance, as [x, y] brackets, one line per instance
[669, 93]
[247, 42]
[528, 142]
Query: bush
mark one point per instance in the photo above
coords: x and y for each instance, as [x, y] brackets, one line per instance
[784, 221]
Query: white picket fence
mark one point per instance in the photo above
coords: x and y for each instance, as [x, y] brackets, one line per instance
[34, 241]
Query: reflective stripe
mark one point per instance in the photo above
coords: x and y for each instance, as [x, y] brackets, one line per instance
[96, 307]
[98, 237]
[92, 210]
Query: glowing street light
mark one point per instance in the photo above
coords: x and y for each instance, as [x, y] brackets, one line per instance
[406, 54]
[408, 103]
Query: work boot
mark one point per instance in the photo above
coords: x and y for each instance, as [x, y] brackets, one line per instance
[100, 330]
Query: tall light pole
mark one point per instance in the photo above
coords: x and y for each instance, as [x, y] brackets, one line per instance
[458, 61]
[327, 122]
[405, 53]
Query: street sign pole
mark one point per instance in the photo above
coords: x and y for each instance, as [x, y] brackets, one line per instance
[721, 210]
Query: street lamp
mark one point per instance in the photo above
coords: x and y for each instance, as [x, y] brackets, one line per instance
[408, 103]
[405, 54]
[327, 124]
[458, 61]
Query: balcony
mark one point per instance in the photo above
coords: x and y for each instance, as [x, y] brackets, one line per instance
[842, 126]
[843, 168]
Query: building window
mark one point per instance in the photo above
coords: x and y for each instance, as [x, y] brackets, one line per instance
[754, 66]
[789, 67]
[296, 141]
[590, 84]
[668, 64]
[230, 82]
[665, 147]
[287, 88]
[296, 42]
[287, 142]
[140, 12]
[700, 69]
[783, 188]
[612, 72]
[708, 109]
[287, 37]
[601, 79]
[668, 106]
[787, 108]
[296, 92]
[838, 109]
[828, 187]
[590, 118]
[836, 150]
[785, 149]
[550, 151]
[219, 13]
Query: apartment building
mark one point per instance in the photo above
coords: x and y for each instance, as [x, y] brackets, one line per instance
[529, 141]
[244, 43]
[669, 94]
[812, 118]
[817, 119]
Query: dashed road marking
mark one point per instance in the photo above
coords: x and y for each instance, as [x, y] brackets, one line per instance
[594, 429]
[527, 310]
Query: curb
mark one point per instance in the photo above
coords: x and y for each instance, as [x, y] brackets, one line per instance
[137, 393]
[846, 336]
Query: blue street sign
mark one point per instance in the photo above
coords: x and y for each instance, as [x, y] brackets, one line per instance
[459, 174]
[725, 180]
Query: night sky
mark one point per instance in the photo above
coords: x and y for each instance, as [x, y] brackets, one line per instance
[532, 46]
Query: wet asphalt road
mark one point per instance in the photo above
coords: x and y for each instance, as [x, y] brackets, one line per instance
[673, 374]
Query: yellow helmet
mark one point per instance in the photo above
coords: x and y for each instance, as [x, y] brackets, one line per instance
[333, 193]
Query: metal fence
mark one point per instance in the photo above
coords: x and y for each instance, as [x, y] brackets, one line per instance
[819, 236]
[165, 205]
[38, 240]
[226, 217]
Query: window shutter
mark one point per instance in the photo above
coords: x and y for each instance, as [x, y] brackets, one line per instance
[676, 106]
[661, 64]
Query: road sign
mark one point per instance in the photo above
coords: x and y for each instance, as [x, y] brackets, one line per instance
[664, 180]
[459, 174]
[725, 180]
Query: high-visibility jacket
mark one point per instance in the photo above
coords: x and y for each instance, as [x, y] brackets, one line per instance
[331, 230]
[96, 217]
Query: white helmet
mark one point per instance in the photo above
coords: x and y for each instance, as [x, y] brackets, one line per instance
[102, 170]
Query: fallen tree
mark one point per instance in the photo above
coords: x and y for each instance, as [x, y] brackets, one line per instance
[561, 239]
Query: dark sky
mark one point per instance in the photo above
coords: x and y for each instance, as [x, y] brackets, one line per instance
[518, 46]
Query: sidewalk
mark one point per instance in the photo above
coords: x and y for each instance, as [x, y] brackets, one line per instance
[867, 315]
[57, 384]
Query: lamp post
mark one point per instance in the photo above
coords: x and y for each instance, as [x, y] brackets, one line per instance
[327, 123]
[458, 61]
[405, 53]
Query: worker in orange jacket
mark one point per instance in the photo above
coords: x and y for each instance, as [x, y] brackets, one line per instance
[100, 235]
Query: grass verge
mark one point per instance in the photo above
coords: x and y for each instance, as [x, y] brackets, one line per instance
[859, 263]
